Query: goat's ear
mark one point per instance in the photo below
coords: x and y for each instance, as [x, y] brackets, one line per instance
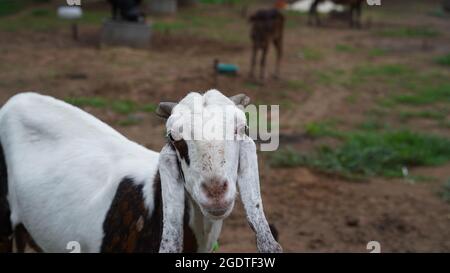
[240, 99]
[248, 183]
[172, 188]
[164, 109]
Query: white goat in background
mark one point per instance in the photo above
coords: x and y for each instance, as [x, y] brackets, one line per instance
[66, 176]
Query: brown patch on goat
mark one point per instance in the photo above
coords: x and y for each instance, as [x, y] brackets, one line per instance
[267, 27]
[128, 227]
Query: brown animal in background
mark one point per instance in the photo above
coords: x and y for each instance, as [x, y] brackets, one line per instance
[354, 11]
[267, 27]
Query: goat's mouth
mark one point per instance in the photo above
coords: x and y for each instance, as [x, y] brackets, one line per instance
[217, 213]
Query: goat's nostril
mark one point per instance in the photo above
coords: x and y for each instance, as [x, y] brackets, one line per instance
[215, 189]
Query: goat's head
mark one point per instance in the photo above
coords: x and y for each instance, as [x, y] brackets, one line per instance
[204, 131]
[209, 155]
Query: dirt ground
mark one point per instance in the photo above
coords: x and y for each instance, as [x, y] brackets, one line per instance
[313, 212]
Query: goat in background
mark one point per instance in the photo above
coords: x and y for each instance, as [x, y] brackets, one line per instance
[354, 12]
[267, 27]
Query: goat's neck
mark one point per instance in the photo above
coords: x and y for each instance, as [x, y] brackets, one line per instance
[206, 230]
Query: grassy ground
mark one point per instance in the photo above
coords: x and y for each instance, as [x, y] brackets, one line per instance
[370, 104]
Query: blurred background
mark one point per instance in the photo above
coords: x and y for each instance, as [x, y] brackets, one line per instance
[364, 112]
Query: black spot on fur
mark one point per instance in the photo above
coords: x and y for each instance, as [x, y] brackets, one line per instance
[182, 149]
[5, 213]
[189, 240]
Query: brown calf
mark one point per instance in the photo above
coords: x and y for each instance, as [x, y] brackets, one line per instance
[267, 27]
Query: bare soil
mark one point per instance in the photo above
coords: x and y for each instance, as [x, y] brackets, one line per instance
[313, 212]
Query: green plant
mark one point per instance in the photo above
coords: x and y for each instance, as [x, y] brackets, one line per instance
[311, 54]
[87, 101]
[425, 95]
[287, 157]
[9, 7]
[443, 60]
[319, 129]
[150, 108]
[123, 106]
[371, 153]
[376, 52]
[344, 48]
[435, 115]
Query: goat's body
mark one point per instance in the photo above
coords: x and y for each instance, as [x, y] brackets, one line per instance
[267, 28]
[67, 175]
[354, 13]
[84, 161]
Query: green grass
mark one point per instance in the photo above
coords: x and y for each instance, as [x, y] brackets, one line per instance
[311, 54]
[40, 12]
[331, 76]
[381, 70]
[319, 129]
[426, 114]
[124, 107]
[168, 26]
[410, 32]
[372, 124]
[287, 158]
[425, 95]
[149, 108]
[377, 52]
[367, 153]
[9, 7]
[298, 85]
[443, 60]
[445, 191]
[344, 48]
[45, 19]
[392, 74]
[95, 102]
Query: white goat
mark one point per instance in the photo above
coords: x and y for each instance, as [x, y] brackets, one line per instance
[66, 176]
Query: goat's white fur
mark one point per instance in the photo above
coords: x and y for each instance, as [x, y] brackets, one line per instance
[64, 167]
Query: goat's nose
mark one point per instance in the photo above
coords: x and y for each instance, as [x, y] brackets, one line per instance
[215, 189]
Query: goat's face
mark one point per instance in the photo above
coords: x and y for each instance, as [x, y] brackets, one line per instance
[205, 132]
[208, 156]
